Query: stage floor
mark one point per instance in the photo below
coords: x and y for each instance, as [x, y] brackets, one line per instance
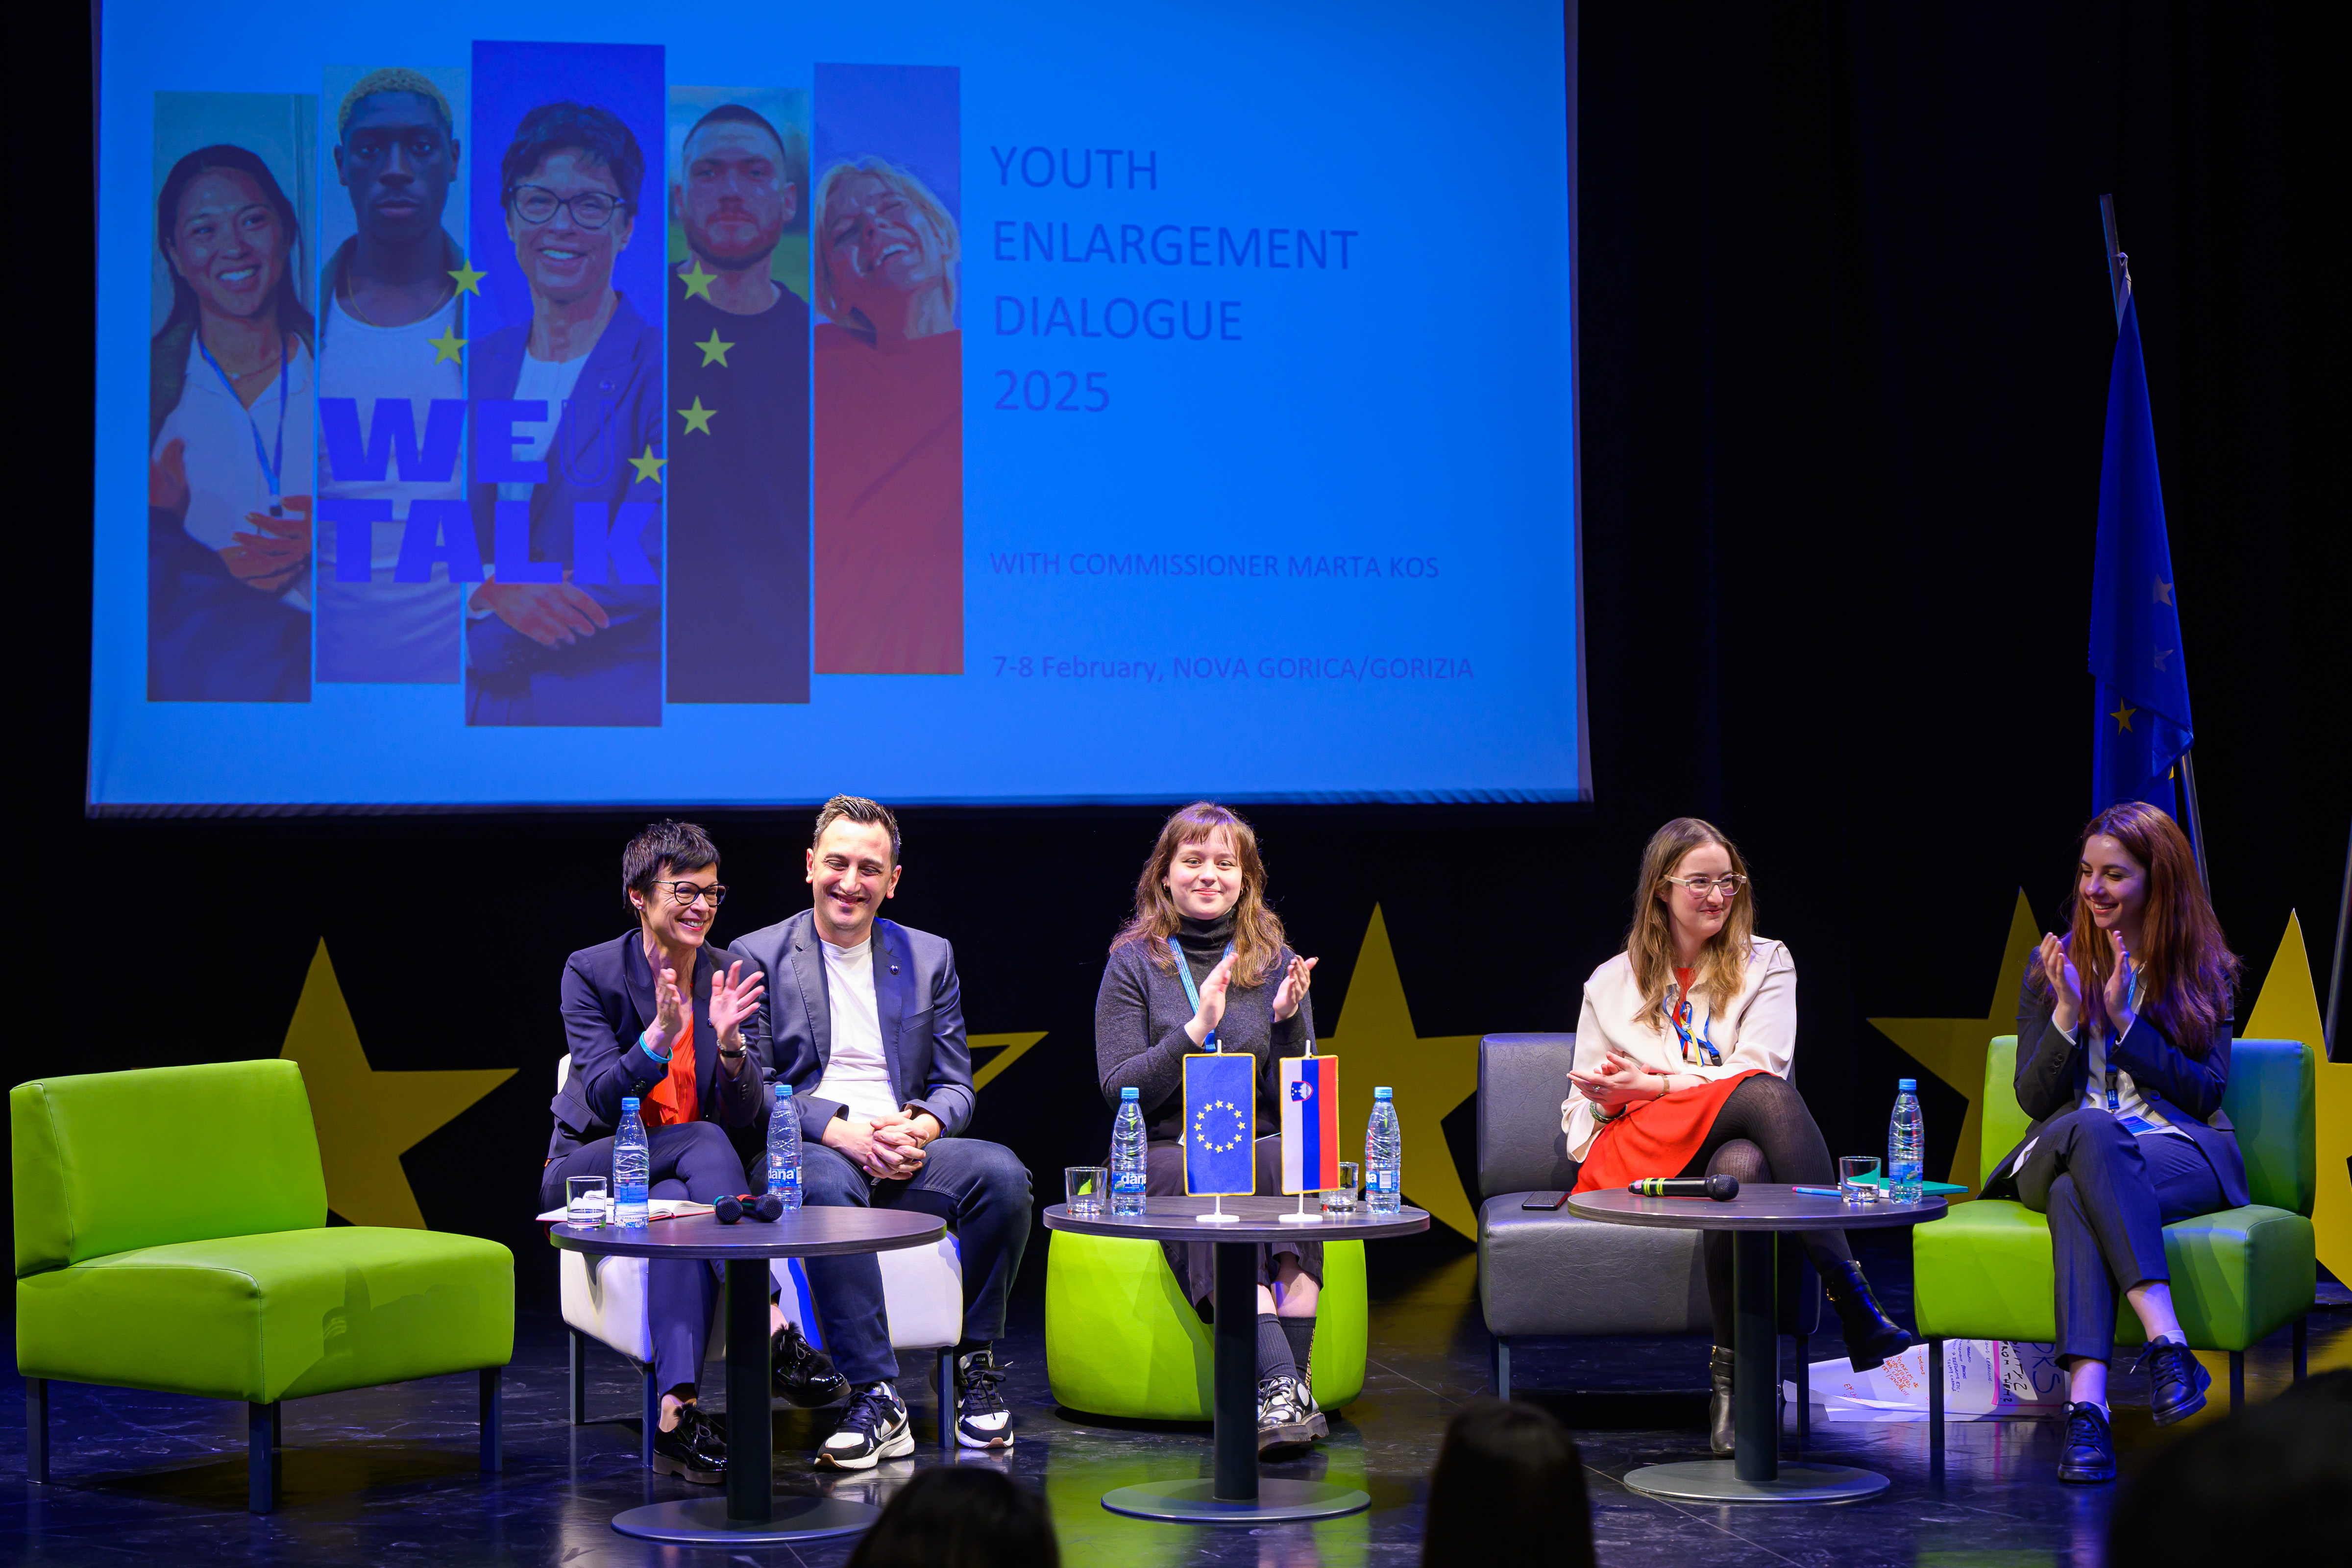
[387, 1475]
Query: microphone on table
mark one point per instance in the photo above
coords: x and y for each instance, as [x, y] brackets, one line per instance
[1721, 1188]
[749, 1205]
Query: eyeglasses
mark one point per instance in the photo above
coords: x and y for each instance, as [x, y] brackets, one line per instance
[687, 892]
[1699, 885]
[589, 209]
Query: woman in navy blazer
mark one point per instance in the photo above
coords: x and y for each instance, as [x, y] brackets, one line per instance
[2122, 1053]
[568, 629]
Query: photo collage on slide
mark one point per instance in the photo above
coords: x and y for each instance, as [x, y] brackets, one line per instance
[548, 382]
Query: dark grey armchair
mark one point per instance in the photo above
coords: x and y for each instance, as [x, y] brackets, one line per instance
[1544, 1274]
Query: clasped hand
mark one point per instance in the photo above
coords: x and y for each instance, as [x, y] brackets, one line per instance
[888, 1148]
[2066, 985]
[1619, 1082]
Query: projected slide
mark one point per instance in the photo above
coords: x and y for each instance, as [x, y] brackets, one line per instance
[635, 404]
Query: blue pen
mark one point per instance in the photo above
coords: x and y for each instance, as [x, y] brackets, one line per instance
[1816, 1192]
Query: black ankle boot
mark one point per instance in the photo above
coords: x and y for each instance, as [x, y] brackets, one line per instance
[1720, 1437]
[1871, 1336]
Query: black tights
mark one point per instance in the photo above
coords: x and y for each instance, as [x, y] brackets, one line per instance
[1763, 1133]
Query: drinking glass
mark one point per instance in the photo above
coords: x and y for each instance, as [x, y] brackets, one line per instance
[1341, 1201]
[1085, 1185]
[1858, 1179]
[583, 1200]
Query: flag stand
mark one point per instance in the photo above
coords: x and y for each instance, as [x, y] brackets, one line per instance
[1302, 1216]
[1217, 1215]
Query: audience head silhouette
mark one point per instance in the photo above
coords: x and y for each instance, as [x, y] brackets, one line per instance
[1508, 1486]
[960, 1516]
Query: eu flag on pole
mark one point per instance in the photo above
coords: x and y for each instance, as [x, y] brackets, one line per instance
[1310, 1124]
[1220, 1124]
[2142, 726]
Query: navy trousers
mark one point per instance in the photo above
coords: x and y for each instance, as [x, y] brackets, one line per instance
[696, 1162]
[2109, 1196]
[980, 1189]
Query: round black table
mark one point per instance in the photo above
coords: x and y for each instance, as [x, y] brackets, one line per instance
[1762, 1209]
[752, 1514]
[1233, 1494]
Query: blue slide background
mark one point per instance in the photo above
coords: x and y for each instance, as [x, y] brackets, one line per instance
[1416, 406]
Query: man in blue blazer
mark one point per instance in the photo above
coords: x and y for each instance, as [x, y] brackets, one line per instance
[864, 1020]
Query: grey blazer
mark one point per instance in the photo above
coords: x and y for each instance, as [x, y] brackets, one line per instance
[915, 995]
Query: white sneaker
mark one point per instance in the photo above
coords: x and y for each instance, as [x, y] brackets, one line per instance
[982, 1420]
[875, 1427]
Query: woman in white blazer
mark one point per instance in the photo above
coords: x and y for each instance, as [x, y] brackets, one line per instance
[1682, 1068]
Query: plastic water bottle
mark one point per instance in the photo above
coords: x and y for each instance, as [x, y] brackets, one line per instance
[785, 1148]
[1906, 1144]
[1383, 1156]
[631, 1162]
[1126, 1158]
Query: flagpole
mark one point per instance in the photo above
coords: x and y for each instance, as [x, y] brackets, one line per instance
[2119, 286]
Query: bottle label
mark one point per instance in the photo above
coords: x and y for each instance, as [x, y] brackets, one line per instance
[1384, 1182]
[1127, 1181]
[782, 1174]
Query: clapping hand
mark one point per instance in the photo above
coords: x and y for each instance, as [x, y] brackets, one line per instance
[732, 1000]
[1293, 989]
[1212, 1009]
[2065, 985]
[669, 1010]
[2118, 992]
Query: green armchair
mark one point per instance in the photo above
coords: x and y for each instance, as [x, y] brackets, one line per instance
[2238, 1275]
[172, 1235]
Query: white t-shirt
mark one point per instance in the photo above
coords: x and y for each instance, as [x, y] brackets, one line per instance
[858, 1074]
[542, 381]
[381, 630]
[226, 477]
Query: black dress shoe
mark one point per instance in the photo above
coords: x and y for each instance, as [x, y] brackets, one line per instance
[2089, 1453]
[1722, 1438]
[694, 1449]
[2175, 1382]
[804, 1375]
[1871, 1336]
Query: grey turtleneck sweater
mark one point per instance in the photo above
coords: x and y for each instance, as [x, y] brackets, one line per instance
[1140, 1017]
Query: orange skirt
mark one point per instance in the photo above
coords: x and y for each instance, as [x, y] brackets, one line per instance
[1657, 1138]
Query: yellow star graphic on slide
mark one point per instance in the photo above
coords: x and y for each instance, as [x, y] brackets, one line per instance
[1953, 1050]
[469, 281]
[649, 466]
[715, 351]
[1431, 1077]
[447, 345]
[367, 1118]
[697, 282]
[697, 418]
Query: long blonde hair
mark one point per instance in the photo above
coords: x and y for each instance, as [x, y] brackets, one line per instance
[1257, 932]
[1650, 941]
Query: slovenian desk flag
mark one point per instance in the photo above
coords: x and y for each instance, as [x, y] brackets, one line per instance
[1310, 1124]
[1220, 1124]
[2142, 725]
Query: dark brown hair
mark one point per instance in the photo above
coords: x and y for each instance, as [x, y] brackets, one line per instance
[857, 808]
[959, 1516]
[1257, 933]
[1509, 1488]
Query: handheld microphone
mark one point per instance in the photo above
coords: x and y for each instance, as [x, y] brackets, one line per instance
[748, 1205]
[1722, 1189]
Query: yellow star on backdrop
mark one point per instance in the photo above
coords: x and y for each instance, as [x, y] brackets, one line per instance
[2288, 1009]
[1431, 1078]
[447, 345]
[715, 351]
[2123, 715]
[1009, 1048]
[1953, 1048]
[697, 282]
[469, 281]
[697, 418]
[649, 466]
[2163, 592]
[366, 1118]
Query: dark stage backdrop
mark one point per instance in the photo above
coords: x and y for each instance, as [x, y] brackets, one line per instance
[1847, 334]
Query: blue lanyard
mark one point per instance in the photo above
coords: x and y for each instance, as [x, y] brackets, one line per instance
[2114, 1040]
[1193, 992]
[1681, 1014]
[271, 466]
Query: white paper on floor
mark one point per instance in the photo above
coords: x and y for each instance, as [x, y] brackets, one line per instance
[1984, 1380]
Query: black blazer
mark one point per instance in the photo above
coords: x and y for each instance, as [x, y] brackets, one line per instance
[2054, 1072]
[608, 1002]
[916, 996]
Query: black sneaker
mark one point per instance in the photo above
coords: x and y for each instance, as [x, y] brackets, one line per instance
[2175, 1382]
[1287, 1416]
[804, 1375]
[2089, 1453]
[981, 1418]
[694, 1449]
[875, 1427]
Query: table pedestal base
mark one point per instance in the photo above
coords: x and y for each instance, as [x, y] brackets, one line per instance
[1716, 1480]
[1194, 1502]
[703, 1522]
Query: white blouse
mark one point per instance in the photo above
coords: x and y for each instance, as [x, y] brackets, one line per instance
[1757, 1028]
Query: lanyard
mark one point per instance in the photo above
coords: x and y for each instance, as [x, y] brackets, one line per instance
[2112, 1041]
[271, 466]
[1193, 992]
[1681, 1015]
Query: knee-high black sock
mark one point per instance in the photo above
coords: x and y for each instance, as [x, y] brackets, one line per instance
[1274, 1358]
[1300, 1332]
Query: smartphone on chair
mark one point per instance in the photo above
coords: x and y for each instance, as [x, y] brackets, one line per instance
[1546, 1201]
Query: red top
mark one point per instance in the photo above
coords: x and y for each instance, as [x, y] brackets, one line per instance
[673, 1102]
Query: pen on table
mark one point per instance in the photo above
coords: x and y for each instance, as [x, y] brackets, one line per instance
[1816, 1192]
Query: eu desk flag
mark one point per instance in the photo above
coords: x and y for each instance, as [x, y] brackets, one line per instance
[1220, 1124]
[2142, 725]
[1310, 1124]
